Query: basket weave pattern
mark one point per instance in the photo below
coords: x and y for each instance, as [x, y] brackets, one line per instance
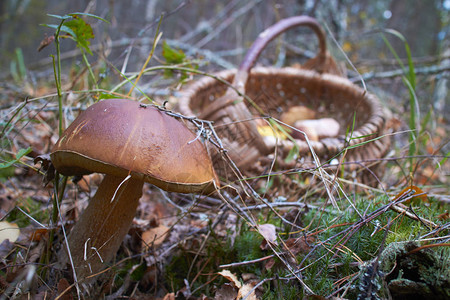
[275, 90]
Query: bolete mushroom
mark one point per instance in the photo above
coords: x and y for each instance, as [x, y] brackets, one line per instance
[131, 144]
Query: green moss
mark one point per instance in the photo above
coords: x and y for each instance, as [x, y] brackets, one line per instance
[323, 268]
[280, 290]
[318, 277]
[121, 273]
[364, 243]
[406, 229]
[403, 233]
[176, 272]
[247, 246]
[187, 265]
[424, 273]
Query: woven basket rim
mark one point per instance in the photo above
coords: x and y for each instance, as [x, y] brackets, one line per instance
[361, 134]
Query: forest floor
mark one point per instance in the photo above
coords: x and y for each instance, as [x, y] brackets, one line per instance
[283, 233]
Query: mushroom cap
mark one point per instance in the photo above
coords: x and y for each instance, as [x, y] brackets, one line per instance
[121, 137]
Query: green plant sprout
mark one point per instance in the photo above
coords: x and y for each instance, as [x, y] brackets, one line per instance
[17, 67]
[8, 126]
[79, 31]
[176, 57]
[21, 153]
[409, 79]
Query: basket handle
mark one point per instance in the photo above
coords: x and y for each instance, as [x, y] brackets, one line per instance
[271, 33]
[241, 76]
[237, 109]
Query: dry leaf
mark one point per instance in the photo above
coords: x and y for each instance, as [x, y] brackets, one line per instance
[150, 278]
[231, 277]
[299, 245]
[293, 246]
[47, 40]
[37, 234]
[154, 237]
[9, 231]
[270, 131]
[244, 290]
[226, 292]
[47, 166]
[269, 264]
[169, 296]
[7, 203]
[246, 277]
[88, 181]
[443, 216]
[5, 249]
[63, 285]
[269, 233]
[414, 193]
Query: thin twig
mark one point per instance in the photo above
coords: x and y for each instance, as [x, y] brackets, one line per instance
[247, 262]
[223, 25]
[400, 210]
[400, 72]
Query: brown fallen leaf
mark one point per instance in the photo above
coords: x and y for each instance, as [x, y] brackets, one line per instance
[231, 277]
[245, 290]
[299, 245]
[45, 42]
[7, 203]
[443, 216]
[37, 234]
[293, 246]
[169, 296]
[47, 166]
[269, 233]
[154, 237]
[9, 231]
[88, 181]
[414, 193]
[226, 292]
[64, 287]
[5, 249]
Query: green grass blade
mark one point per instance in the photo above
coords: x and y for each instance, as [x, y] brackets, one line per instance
[88, 15]
[411, 75]
[21, 153]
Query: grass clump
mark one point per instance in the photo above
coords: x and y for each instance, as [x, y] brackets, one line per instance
[247, 246]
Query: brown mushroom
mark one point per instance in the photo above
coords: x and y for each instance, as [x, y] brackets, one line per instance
[131, 144]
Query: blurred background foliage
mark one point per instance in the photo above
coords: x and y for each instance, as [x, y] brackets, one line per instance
[216, 34]
[425, 24]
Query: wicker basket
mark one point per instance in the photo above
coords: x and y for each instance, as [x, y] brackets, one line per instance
[274, 91]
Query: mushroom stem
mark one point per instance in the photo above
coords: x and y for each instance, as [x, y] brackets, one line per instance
[97, 235]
